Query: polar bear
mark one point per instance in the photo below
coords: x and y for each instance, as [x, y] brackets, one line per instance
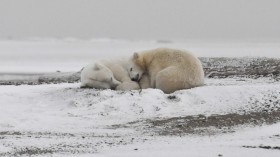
[108, 74]
[166, 69]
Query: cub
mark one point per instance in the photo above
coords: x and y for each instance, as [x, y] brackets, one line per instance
[108, 74]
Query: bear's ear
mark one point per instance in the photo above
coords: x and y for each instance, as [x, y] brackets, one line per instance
[98, 66]
[135, 55]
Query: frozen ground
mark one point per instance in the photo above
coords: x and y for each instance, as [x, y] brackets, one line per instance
[226, 117]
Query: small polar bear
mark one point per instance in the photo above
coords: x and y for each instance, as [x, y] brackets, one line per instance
[166, 69]
[108, 74]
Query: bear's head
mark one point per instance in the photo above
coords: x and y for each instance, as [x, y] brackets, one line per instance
[99, 77]
[136, 67]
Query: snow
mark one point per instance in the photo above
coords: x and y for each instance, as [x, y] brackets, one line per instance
[230, 145]
[65, 108]
[50, 107]
[65, 120]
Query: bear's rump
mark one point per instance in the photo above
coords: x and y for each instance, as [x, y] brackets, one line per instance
[171, 79]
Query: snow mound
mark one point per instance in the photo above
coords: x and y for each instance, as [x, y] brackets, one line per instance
[113, 107]
[63, 118]
[61, 107]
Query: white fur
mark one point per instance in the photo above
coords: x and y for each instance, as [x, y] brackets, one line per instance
[135, 72]
[111, 74]
[167, 69]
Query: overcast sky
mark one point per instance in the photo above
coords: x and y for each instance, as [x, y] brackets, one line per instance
[141, 19]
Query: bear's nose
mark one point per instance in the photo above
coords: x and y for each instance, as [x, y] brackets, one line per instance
[136, 78]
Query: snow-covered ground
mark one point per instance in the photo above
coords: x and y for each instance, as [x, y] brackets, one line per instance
[226, 117]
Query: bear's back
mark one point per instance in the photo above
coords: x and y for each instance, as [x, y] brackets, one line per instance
[118, 67]
[165, 57]
[184, 64]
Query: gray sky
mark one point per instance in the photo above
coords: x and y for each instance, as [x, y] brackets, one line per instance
[141, 19]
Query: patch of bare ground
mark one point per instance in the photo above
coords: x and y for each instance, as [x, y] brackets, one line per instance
[61, 143]
[205, 125]
[264, 147]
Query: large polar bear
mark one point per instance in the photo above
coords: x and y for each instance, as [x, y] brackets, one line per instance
[166, 69]
[108, 74]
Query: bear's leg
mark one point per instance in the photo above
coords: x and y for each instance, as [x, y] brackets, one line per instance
[145, 82]
[130, 85]
[83, 85]
[86, 84]
[171, 79]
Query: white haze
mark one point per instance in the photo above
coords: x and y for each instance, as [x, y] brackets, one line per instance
[145, 19]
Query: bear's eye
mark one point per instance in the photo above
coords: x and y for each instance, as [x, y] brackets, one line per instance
[130, 69]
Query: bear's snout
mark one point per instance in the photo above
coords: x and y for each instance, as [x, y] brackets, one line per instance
[135, 78]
